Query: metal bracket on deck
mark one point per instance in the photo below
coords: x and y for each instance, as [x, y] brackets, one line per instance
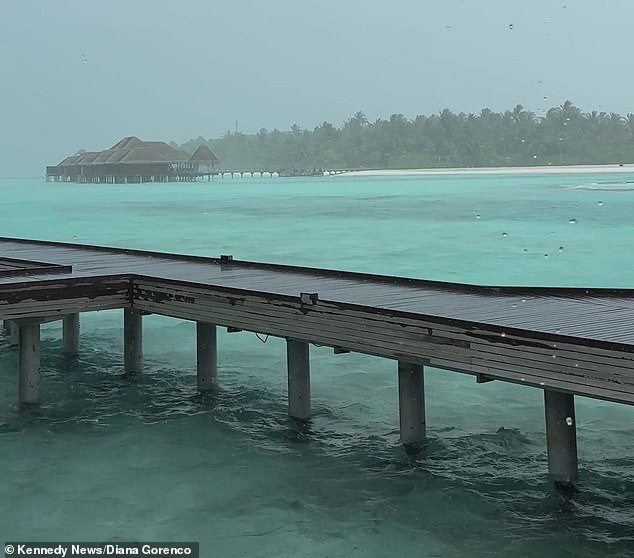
[483, 378]
[233, 329]
[308, 298]
[225, 260]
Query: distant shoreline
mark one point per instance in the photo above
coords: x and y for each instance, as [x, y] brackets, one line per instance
[581, 169]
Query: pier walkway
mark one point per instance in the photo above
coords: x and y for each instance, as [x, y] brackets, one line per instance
[565, 341]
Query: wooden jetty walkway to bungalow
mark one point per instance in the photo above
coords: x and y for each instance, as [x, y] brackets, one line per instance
[134, 161]
[564, 341]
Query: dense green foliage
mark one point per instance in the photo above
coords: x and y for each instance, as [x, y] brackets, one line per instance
[564, 136]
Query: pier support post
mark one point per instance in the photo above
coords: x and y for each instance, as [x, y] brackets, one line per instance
[207, 355]
[132, 340]
[411, 400]
[561, 436]
[14, 334]
[298, 361]
[29, 363]
[70, 334]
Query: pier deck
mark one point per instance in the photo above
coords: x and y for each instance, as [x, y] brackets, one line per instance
[570, 341]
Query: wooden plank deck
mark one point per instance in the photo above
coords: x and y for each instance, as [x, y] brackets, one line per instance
[580, 341]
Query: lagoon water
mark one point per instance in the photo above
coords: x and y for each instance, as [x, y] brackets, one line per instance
[107, 457]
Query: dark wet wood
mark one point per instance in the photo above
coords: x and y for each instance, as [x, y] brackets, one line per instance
[570, 339]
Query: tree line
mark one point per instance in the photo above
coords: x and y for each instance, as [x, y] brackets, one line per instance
[563, 136]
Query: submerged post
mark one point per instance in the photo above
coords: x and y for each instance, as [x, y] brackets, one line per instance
[207, 355]
[561, 436]
[411, 400]
[70, 334]
[298, 361]
[29, 363]
[132, 340]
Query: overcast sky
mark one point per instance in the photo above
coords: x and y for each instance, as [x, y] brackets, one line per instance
[82, 74]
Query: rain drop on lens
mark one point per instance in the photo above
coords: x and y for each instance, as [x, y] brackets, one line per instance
[478, 216]
[504, 234]
[573, 221]
[599, 203]
[561, 248]
[503, 334]
[569, 421]
[545, 255]
[511, 26]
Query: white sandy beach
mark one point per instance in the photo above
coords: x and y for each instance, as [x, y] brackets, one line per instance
[581, 169]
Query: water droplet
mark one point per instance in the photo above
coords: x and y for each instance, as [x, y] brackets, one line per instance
[534, 156]
[573, 221]
[576, 365]
[523, 141]
[504, 234]
[541, 383]
[447, 26]
[478, 216]
[523, 379]
[545, 98]
[599, 203]
[569, 421]
[554, 356]
[523, 300]
[514, 306]
[561, 248]
[511, 26]
[525, 250]
[545, 255]
[503, 334]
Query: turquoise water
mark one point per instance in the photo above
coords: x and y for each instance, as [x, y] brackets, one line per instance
[110, 457]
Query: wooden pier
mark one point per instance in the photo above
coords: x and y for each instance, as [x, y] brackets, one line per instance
[564, 341]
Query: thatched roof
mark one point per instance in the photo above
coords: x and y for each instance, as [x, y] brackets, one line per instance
[130, 141]
[133, 150]
[204, 155]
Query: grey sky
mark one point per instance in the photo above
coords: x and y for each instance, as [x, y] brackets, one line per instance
[82, 74]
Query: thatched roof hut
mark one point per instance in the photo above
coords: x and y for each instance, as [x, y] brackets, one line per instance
[134, 160]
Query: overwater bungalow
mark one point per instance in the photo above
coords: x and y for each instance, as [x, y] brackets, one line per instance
[132, 160]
